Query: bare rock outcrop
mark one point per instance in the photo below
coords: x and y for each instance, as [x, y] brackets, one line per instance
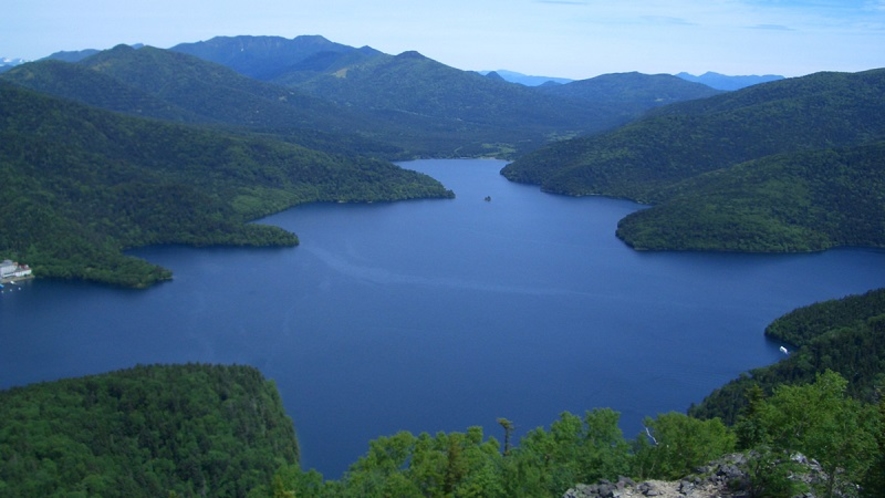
[724, 478]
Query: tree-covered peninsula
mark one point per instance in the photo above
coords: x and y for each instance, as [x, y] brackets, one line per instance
[807, 201]
[150, 431]
[843, 335]
[79, 185]
[792, 165]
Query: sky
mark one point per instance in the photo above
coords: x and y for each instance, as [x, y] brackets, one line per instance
[575, 39]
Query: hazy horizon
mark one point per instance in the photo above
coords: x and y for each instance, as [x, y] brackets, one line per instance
[575, 39]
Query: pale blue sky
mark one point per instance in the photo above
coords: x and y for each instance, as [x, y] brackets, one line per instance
[567, 38]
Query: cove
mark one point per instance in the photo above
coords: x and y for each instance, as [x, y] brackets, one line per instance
[436, 315]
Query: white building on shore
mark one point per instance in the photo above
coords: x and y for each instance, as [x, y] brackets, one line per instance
[10, 269]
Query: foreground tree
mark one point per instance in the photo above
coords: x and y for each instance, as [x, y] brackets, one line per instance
[574, 450]
[675, 444]
[820, 421]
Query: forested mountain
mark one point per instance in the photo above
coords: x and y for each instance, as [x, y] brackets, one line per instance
[411, 82]
[172, 86]
[150, 431]
[826, 117]
[808, 201]
[78, 185]
[458, 113]
[495, 114]
[83, 84]
[636, 92]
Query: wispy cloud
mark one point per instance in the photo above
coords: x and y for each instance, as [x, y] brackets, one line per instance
[561, 2]
[666, 20]
[772, 27]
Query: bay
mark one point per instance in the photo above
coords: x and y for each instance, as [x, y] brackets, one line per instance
[435, 315]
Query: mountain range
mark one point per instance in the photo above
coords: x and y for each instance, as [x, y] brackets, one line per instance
[396, 106]
[484, 115]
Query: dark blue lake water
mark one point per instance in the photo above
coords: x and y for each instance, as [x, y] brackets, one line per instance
[437, 315]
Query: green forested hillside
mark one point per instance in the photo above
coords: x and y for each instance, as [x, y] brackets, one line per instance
[492, 117]
[845, 335]
[802, 141]
[678, 142]
[79, 185]
[488, 116]
[807, 201]
[171, 86]
[150, 431]
[80, 83]
[218, 93]
[410, 82]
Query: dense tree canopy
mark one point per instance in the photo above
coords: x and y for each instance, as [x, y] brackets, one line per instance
[820, 421]
[190, 430]
[807, 201]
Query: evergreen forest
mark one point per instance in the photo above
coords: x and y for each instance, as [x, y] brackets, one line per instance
[185, 430]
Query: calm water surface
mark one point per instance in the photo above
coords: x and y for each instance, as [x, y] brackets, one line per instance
[437, 315]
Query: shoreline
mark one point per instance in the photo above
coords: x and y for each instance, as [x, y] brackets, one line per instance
[14, 280]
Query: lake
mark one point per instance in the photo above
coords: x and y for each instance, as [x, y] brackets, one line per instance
[436, 315]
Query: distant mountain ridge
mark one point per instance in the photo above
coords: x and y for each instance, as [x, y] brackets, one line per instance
[729, 83]
[460, 111]
[7, 63]
[525, 79]
[265, 57]
[488, 116]
[642, 91]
